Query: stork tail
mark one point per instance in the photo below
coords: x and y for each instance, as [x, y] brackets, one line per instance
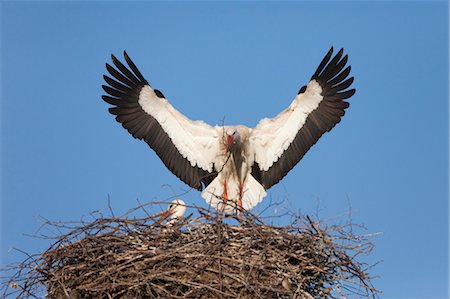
[248, 195]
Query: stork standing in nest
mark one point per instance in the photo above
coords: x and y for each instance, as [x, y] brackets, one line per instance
[233, 166]
[174, 212]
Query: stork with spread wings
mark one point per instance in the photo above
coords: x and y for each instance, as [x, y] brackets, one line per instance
[233, 166]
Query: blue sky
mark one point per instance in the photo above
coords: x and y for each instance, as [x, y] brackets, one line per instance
[63, 154]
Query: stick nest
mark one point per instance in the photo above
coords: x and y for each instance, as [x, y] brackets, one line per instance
[197, 257]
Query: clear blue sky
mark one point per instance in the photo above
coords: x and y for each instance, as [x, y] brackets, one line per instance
[63, 153]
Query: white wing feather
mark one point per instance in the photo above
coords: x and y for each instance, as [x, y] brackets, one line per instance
[195, 140]
[271, 137]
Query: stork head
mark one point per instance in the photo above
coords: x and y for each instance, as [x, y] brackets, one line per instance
[232, 138]
[176, 209]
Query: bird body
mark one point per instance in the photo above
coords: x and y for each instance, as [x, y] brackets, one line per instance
[234, 187]
[173, 213]
[233, 166]
[176, 209]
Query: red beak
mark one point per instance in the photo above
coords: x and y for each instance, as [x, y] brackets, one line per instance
[230, 140]
[166, 214]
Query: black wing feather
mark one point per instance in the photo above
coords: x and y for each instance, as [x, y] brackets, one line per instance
[123, 91]
[116, 74]
[334, 83]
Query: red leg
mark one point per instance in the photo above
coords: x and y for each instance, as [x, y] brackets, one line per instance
[225, 192]
[225, 195]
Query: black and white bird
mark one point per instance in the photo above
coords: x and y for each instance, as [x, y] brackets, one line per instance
[233, 166]
[174, 212]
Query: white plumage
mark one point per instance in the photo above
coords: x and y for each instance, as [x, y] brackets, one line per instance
[232, 165]
[271, 137]
[176, 210]
[195, 140]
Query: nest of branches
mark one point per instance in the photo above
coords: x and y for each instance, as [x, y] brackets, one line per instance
[207, 256]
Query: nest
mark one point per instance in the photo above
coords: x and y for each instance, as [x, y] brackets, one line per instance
[208, 256]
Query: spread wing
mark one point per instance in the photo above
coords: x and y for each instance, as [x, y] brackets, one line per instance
[281, 142]
[188, 148]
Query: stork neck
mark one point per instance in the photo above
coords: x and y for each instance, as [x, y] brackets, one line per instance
[238, 159]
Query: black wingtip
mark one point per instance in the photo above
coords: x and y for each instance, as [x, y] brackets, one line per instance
[351, 92]
[134, 67]
[341, 51]
[323, 63]
[113, 58]
[329, 54]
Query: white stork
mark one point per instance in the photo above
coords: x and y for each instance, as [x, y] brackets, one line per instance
[175, 211]
[232, 165]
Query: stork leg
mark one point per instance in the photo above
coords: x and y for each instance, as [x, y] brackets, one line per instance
[239, 202]
[225, 195]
